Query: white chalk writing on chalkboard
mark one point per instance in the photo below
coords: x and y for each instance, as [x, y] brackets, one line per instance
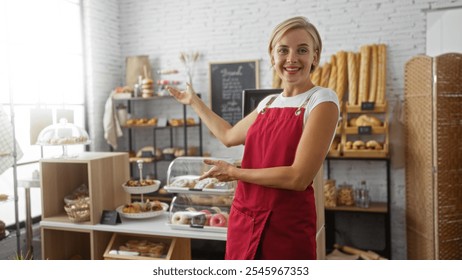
[228, 80]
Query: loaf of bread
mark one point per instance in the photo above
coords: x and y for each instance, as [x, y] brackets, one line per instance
[342, 74]
[366, 120]
[316, 76]
[382, 74]
[333, 79]
[333, 74]
[364, 74]
[374, 74]
[325, 74]
[352, 79]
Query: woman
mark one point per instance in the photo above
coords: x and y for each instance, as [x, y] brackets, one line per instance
[286, 139]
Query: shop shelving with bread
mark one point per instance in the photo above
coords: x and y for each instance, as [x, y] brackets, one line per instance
[359, 80]
[156, 152]
[366, 131]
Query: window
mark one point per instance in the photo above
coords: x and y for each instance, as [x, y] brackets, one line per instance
[42, 67]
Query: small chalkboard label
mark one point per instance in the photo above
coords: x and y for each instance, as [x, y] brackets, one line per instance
[365, 130]
[367, 106]
[196, 226]
[110, 218]
[146, 154]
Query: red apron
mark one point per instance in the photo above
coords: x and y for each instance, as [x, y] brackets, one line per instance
[268, 223]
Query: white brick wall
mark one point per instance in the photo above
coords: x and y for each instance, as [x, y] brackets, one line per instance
[239, 30]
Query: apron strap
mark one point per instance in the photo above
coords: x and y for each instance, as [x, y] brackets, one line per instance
[268, 104]
[299, 109]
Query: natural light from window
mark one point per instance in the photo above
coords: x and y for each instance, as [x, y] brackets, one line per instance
[42, 70]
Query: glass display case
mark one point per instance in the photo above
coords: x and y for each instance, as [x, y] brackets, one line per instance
[198, 204]
[63, 134]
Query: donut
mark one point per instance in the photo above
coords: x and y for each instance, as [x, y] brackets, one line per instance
[199, 220]
[208, 215]
[218, 220]
[180, 219]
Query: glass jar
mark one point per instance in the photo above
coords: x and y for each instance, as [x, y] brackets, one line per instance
[345, 195]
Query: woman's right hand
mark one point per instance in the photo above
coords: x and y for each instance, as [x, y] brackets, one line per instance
[184, 96]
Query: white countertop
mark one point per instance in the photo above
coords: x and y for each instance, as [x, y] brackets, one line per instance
[152, 226]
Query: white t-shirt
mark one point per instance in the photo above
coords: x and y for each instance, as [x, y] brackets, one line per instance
[317, 96]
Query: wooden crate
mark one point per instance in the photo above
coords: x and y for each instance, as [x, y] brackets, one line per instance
[119, 239]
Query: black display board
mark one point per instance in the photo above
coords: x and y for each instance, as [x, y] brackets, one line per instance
[227, 82]
[252, 97]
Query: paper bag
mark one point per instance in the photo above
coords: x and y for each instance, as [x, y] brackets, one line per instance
[134, 67]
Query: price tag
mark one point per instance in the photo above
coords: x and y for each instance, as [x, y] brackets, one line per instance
[365, 130]
[367, 106]
[110, 218]
[146, 154]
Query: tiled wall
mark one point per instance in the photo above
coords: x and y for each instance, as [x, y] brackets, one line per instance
[239, 30]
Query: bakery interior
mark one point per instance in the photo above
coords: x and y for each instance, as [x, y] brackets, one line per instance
[96, 158]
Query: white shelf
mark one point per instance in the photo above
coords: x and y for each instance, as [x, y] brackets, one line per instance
[157, 226]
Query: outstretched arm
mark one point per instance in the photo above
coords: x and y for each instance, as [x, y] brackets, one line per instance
[227, 134]
[311, 152]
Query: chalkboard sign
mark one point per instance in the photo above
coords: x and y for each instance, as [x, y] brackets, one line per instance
[252, 97]
[227, 81]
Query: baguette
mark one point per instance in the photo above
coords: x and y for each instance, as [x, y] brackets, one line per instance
[316, 76]
[364, 74]
[325, 74]
[374, 74]
[382, 74]
[342, 74]
[333, 79]
[352, 79]
[333, 73]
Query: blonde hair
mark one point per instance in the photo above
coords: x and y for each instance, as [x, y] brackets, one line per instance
[295, 23]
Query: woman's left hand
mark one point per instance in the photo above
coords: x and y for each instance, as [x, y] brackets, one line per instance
[220, 170]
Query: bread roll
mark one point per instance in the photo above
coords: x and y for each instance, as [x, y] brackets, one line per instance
[374, 74]
[364, 74]
[382, 74]
[342, 74]
[325, 74]
[316, 76]
[352, 79]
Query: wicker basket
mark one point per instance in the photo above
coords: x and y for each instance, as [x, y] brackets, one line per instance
[78, 210]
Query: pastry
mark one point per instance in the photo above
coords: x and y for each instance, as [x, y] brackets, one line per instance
[373, 145]
[365, 120]
[358, 145]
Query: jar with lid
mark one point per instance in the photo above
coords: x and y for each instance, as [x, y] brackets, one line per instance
[345, 195]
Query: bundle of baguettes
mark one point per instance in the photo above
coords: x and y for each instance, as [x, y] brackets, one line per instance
[362, 75]
[372, 75]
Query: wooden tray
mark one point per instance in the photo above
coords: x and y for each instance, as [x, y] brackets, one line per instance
[119, 239]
